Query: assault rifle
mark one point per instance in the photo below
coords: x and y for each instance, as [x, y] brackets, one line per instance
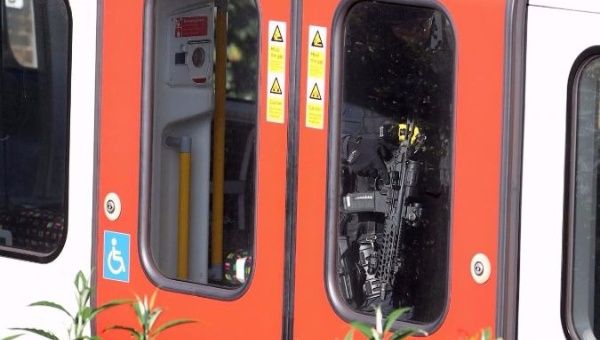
[398, 199]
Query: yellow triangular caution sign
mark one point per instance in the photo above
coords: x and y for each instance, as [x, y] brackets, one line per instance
[277, 36]
[315, 93]
[276, 88]
[317, 41]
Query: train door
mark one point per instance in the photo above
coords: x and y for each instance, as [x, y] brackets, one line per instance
[47, 91]
[192, 163]
[559, 240]
[400, 125]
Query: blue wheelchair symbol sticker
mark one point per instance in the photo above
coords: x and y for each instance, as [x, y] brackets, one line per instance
[116, 256]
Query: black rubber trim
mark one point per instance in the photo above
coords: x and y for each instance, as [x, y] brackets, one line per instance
[511, 171]
[569, 203]
[335, 88]
[289, 280]
[148, 265]
[94, 277]
[33, 256]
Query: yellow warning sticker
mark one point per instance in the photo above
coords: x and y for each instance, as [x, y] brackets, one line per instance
[314, 116]
[277, 36]
[277, 49]
[316, 64]
[315, 91]
[317, 40]
[276, 88]
[276, 72]
[275, 111]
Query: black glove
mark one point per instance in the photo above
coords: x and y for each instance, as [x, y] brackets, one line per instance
[367, 155]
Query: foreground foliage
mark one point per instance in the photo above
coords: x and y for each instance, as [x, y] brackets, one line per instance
[147, 315]
[382, 327]
[79, 320]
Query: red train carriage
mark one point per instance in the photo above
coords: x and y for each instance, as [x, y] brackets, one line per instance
[278, 169]
[270, 171]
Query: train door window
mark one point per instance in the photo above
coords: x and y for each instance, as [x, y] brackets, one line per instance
[201, 141]
[34, 127]
[394, 134]
[242, 51]
[582, 307]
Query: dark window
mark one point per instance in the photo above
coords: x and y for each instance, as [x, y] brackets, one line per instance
[201, 216]
[583, 197]
[395, 160]
[34, 128]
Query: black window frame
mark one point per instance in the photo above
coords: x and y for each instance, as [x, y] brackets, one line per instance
[28, 255]
[570, 326]
[333, 167]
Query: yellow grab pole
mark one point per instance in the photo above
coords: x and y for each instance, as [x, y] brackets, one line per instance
[185, 157]
[218, 168]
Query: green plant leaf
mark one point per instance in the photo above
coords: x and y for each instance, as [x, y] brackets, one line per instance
[350, 334]
[363, 328]
[130, 330]
[51, 305]
[11, 337]
[153, 298]
[81, 282]
[402, 334]
[110, 304]
[87, 337]
[153, 316]
[39, 332]
[378, 322]
[375, 335]
[138, 307]
[86, 314]
[394, 316]
[171, 324]
[114, 303]
[85, 296]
